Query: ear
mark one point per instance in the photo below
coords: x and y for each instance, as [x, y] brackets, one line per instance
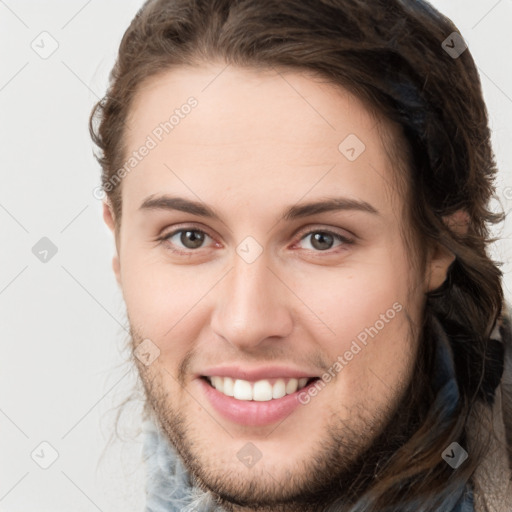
[440, 261]
[440, 257]
[108, 217]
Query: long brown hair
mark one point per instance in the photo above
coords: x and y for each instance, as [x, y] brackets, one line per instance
[390, 54]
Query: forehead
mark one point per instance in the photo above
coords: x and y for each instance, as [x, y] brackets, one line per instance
[273, 135]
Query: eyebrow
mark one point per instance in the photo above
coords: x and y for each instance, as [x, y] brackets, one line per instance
[293, 212]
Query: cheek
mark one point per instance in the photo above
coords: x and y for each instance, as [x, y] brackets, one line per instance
[168, 303]
[365, 307]
[164, 303]
[154, 294]
[350, 298]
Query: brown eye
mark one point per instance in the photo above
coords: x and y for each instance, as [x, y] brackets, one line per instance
[322, 240]
[189, 238]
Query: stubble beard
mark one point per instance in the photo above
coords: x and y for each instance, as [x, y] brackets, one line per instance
[342, 468]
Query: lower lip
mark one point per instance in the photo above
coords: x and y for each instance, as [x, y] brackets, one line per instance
[251, 412]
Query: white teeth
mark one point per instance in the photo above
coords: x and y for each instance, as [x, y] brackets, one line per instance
[242, 390]
[228, 386]
[279, 389]
[260, 391]
[218, 383]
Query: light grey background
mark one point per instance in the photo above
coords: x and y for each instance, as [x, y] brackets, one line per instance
[63, 372]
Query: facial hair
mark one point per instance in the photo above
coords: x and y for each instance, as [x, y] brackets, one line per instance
[345, 463]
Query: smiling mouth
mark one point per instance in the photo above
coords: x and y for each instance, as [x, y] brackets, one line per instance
[259, 391]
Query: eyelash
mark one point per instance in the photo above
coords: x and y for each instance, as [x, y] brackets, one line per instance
[189, 252]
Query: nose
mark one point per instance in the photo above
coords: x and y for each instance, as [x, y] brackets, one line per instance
[251, 305]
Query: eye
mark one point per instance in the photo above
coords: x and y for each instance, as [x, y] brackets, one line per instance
[322, 240]
[190, 238]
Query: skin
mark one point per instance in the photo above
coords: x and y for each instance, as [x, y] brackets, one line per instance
[257, 143]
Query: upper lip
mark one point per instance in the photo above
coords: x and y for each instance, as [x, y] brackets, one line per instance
[255, 374]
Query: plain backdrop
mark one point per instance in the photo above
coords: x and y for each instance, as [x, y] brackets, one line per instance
[63, 371]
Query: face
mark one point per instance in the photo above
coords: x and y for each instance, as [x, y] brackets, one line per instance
[284, 331]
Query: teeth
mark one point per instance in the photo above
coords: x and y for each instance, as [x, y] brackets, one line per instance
[279, 389]
[228, 386]
[292, 386]
[261, 391]
[242, 390]
[218, 383]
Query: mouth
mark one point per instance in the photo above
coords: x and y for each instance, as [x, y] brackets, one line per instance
[258, 391]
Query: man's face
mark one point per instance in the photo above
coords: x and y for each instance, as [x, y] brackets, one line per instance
[262, 298]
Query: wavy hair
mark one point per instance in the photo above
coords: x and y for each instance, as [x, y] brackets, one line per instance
[388, 53]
